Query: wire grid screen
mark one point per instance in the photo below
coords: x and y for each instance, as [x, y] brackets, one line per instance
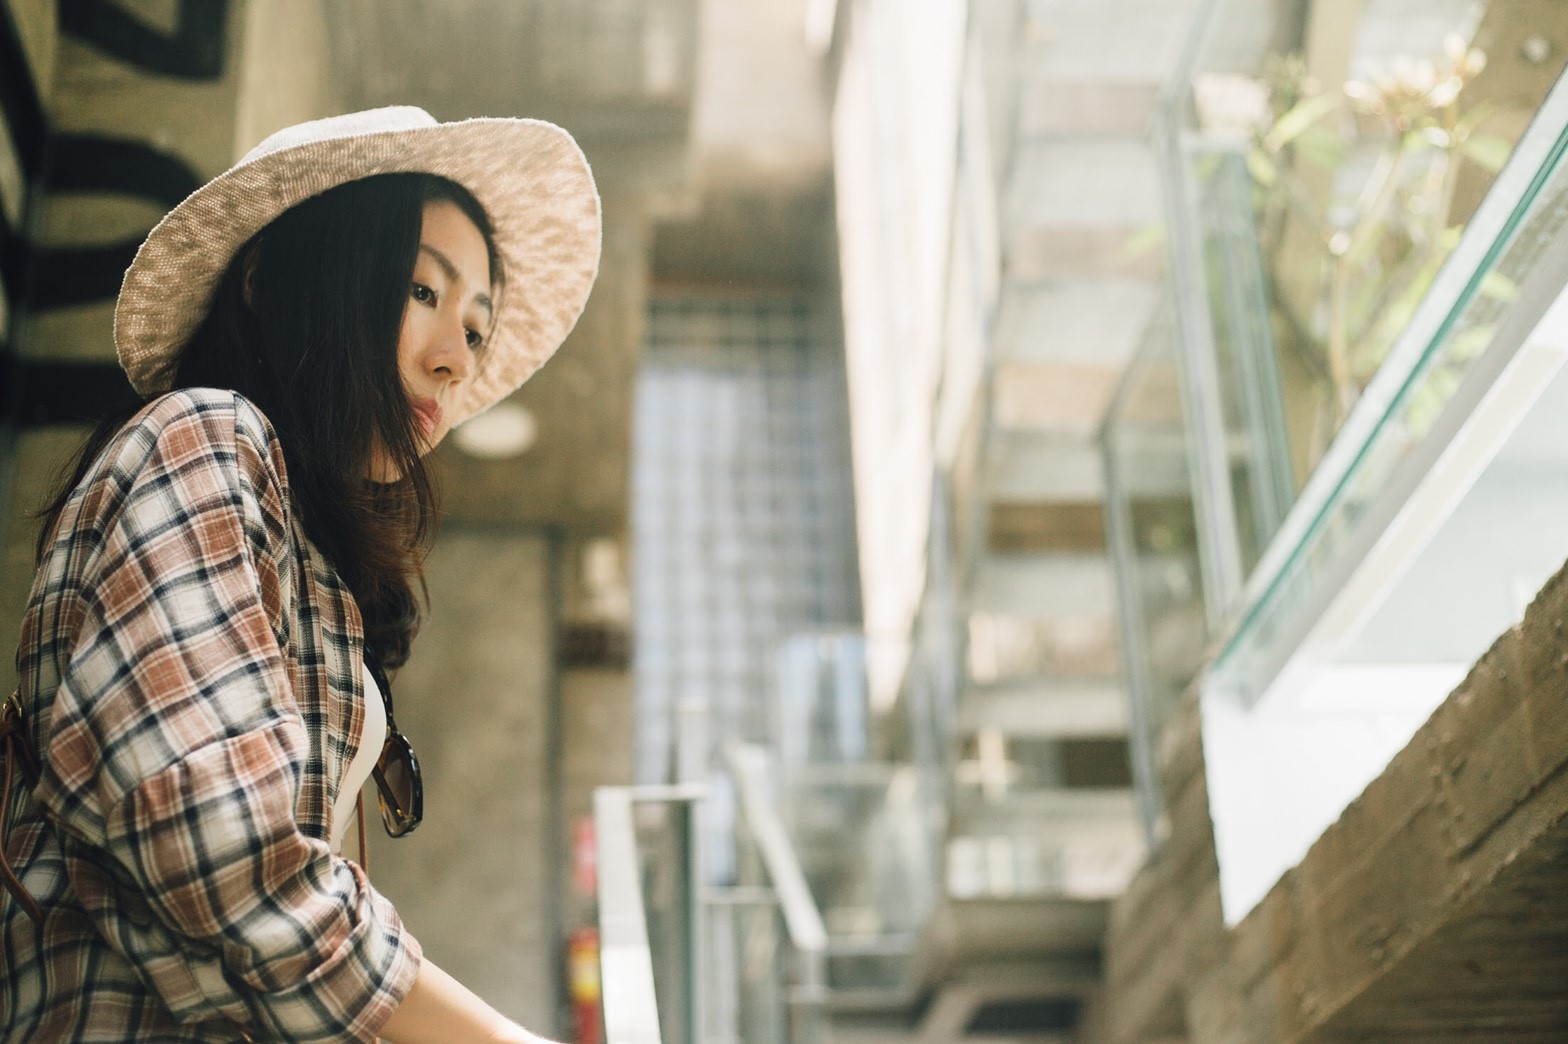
[743, 517]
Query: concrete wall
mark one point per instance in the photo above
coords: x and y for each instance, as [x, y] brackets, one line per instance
[286, 67]
[475, 701]
[1433, 910]
[113, 98]
[35, 23]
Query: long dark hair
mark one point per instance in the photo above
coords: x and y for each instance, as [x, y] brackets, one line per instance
[305, 324]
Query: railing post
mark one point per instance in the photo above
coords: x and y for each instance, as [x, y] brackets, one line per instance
[805, 999]
[631, 1011]
[630, 976]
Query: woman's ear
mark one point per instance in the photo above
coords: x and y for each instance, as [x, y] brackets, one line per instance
[248, 271]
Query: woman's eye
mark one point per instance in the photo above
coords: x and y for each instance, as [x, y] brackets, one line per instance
[422, 293]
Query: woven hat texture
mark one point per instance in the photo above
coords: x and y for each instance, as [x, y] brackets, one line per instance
[529, 175]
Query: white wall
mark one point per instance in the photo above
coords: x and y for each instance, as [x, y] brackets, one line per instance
[895, 123]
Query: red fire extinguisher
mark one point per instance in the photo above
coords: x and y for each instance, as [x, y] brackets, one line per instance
[583, 959]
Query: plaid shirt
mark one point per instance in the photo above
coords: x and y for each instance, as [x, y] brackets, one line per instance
[190, 665]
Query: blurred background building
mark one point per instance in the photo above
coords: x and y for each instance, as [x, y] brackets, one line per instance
[1048, 529]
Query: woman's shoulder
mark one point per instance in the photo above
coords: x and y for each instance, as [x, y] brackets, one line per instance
[188, 443]
[195, 425]
[195, 454]
[218, 412]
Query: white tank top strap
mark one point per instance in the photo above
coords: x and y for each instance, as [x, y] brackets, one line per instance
[371, 737]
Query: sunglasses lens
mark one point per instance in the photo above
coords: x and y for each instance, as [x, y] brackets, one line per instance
[398, 786]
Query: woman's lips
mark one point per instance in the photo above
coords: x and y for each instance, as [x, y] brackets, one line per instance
[429, 413]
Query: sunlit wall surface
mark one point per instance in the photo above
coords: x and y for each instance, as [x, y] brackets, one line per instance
[894, 126]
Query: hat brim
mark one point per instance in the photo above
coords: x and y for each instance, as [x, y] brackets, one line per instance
[529, 175]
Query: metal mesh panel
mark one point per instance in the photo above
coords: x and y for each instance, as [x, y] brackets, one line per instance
[742, 514]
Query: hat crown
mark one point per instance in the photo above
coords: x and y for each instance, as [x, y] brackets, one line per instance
[529, 175]
[348, 125]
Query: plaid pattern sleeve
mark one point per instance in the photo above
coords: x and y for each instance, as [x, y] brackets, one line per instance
[178, 714]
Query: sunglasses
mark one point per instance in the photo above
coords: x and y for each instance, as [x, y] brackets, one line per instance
[399, 789]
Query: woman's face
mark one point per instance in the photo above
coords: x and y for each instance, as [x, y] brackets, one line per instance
[446, 319]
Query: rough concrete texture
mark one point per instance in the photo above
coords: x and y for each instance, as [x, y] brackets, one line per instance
[762, 212]
[597, 750]
[91, 92]
[36, 22]
[286, 68]
[1435, 909]
[577, 474]
[472, 881]
[116, 96]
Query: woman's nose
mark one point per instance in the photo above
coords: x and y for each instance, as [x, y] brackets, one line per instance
[450, 355]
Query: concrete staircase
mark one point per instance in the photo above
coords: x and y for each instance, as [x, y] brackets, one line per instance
[1044, 824]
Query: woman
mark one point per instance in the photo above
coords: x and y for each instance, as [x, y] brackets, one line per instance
[227, 576]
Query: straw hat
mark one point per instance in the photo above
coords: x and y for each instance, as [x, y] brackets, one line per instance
[529, 175]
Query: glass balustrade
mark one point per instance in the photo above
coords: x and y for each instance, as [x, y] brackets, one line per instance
[1365, 213]
[685, 960]
[1473, 310]
[1440, 526]
[1152, 532]
[1322, 165]
[860, 821]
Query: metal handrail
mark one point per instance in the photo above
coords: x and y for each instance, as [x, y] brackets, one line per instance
[633, 979]
[631, 1012]
[630, 989]
[807, 932]
[807, 995]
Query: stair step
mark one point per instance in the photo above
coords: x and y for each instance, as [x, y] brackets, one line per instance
[1015, 526]
[1009, 929]
[1037, 466]
[1075, 205]
[1075, 321]
[1046, 708]
[1057, 397]
[1052, 586]
[1005, 648]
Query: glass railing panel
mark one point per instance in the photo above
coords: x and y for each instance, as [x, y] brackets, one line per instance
[767, 858]
[1153, 540]
[1441, 524]
[861, 824]
[879, 883]
[872, 969]
[1322, 162]
[1470, 303]
[823, 714]
[666, 838]
[1256, 449]
[750, 991]
[685, 962]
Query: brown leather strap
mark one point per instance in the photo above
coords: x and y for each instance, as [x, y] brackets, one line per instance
[13, 727]
[364, 849]
[18, 751]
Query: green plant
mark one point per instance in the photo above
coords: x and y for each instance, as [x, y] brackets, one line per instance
[1355, 205]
